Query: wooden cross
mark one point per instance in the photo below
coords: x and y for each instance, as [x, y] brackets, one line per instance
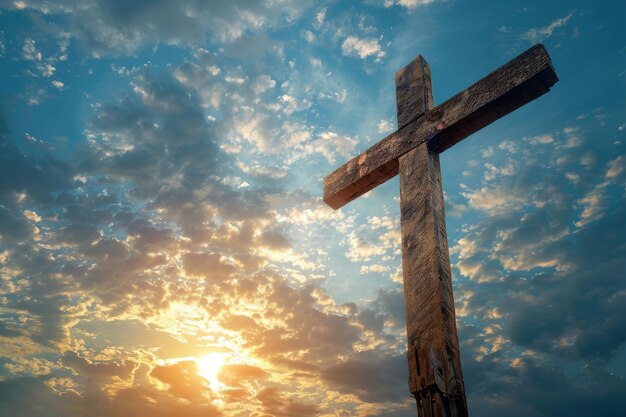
[435, 377]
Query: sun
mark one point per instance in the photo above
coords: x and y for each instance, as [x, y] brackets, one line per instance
[209, 366]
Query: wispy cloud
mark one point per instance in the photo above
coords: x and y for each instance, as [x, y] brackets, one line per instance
[539, 34]
[114, 28]
[410, 4]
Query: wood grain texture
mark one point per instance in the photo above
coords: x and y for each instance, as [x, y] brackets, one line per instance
[514, 84]
[435, 377]
[429, 303]
[414, 91]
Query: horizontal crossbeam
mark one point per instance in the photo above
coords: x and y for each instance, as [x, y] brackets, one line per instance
[514, 84]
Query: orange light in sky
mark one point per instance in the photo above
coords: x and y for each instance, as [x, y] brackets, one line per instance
[209, 367]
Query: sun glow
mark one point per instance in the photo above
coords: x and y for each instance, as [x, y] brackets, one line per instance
[208, 368]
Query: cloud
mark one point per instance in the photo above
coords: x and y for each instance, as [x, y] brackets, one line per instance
[182, 379]
[30, 52]
[119, 27]
[410, 4]
[274, 404]
[492, 199]
[308, 36]
[499, 389]
[208, 265]
[137, 250]
[384, 126]
[391, 302]
[615, 167]
[539, 34]
[162, 116]
[320, 17]
[369, 377]
[237, 374]
[541, 140]
[45, 66]
[592, 206]
[542, 251]
[89, 369]
[362, 47]
[331, 145]
[140, 145]
[380, 239]
[376, 268]
[14, 229]
[16, 400]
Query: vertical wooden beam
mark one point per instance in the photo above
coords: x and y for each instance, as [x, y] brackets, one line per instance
[435, 377]
[414, 92]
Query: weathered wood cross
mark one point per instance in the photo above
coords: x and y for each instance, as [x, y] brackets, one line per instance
[435, 377]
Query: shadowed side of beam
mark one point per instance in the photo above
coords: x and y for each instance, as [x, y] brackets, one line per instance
[514, 84]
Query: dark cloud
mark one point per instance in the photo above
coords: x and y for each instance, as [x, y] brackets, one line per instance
[274, 239]
[236, 374]
[541, 390]
[545, 287]
[79, 234]
[40, 181]
[207, 265]
[391, 301]
[32, 396]
[584, 306]
[155, 136]
[8, 331]
[14, 228]
[41, 299]
[558, 283]
[86, 368]
[320, 334]
[38, 177]
[370, 376]
[182, 378]
[274, 404]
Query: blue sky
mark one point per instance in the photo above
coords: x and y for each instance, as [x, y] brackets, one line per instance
[164, 249]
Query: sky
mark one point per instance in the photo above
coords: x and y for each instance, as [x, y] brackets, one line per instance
[164, 246]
